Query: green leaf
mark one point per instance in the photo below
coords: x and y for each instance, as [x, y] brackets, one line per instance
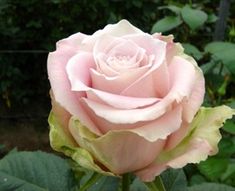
[230, 172]
[211, 187]
[174, 180]
[213, 167]
[212, 18]
[105, 183]
[138, 185]
[35, 171]
[192, 50]
[197, 179]
[173, 8]
[224, 51]
[208, 67]
[229, 127]
[226, 147]
[166, 24]
[193, 18]
[217, 47]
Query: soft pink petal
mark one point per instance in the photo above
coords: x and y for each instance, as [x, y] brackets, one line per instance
[193, 103]
[157, 129]
[116, 84]
[197, 150]
[176, 137]
[78, 70]
[155, 83]
[180, 70]
[161, 127]
[74, 41]
[182, 76]
[118, 101]
[114, 153]
[120, 29]
[61, 87]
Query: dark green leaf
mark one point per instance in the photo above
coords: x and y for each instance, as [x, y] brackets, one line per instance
[138, 185]
[174, 180]
[166, 24]
[226, 147]
[193, 17]
[105, 183]
[211, 187]
[212, 18]
[216, 47]
[229, 127]
[35, 171]
[192, 50]
[224, 51]
[213, 167]
[230, 172]
[197, 179]
[173, 8]
[208, 67]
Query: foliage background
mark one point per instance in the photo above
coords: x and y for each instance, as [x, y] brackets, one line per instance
[29, 30]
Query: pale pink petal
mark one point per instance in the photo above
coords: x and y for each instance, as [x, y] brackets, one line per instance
[103, 67]
[180, 70]
[153, 130]
[78, 70]
[197, 150]
[155, 83]
[161, 127]
[116, 84]
[113, 152]
[151, 45]
[74, 41]
[61, 87]
[193, 103]
[120, 29]
[176, 137]
[118, 101]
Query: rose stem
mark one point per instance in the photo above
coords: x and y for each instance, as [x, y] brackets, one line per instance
[125, 182]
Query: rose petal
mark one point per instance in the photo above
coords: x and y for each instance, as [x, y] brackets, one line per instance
[116, 84]
[196, 146]
[154, 82]
[116, 156]
[61, 87]
[74, 41]
[118, 101]
[180, 70]
[119, 29]
[78, 70]
[157, 129]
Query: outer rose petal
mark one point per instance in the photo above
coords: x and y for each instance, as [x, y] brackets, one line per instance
[196, 146]
[74, 41]
[120, 29]
[61, 87]
[78, 70]
[113, 152]
[61, 142]
[190, 107]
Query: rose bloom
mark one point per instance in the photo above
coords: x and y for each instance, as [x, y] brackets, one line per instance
[126, 101]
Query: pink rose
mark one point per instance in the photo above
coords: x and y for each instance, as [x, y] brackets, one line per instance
[125, 101]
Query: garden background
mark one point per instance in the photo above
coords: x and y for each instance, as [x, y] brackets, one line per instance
[29, 30]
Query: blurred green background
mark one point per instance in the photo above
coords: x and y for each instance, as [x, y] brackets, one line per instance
[29, 30]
